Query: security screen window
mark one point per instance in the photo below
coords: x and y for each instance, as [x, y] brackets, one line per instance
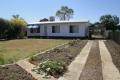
[55, 29]
[74, 29]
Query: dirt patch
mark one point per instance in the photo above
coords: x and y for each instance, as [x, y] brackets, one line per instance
[14, 72]
[114, 50]
[64, 53]
[93, 66]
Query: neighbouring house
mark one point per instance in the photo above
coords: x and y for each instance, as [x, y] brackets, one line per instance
[59, 29]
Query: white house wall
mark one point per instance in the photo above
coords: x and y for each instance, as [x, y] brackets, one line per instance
[64, 30]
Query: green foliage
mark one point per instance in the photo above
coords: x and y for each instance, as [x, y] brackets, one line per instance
[15, 28]
[32, 58]
[19, 25]
[118, 27]
[53, 68]
[109, 21]
[4, 28]
[96, 28]
[57, 50]
[65, 13]
[73, 42]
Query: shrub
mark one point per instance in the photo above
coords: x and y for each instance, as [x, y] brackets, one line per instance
[32, 58]
[57, 50]
[73, 42]
[53, 68]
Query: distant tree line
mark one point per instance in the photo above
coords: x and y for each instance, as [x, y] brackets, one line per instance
[110, 22]
[13, 28]
[106, 22]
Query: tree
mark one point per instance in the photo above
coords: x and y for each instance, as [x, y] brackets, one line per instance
[44, 20]
[118, 27]
[18, 27]
[65, 13]
[4, 27]
[109, 22]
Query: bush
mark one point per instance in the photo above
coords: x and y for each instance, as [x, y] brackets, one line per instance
[73, 42]
[12, 29]
[57, 50]
[53, 68]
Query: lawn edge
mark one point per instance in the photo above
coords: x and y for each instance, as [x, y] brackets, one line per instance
[42, 52]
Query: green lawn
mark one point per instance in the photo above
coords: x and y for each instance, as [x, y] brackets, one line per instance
[14, 50]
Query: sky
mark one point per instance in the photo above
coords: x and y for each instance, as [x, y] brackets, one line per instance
[34, 10]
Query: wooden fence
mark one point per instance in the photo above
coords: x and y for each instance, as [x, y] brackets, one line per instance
[115, 36]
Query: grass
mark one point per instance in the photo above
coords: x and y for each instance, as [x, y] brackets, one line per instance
[14, 50]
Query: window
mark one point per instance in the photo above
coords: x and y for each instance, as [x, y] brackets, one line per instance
[55, 29]
[31, 30]
[71, 29]
[74, 29]
[35, 30]
[38, 29]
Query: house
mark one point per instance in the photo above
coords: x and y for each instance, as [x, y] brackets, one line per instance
[59, 29]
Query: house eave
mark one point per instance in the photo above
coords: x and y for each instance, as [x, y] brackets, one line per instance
[57, 22]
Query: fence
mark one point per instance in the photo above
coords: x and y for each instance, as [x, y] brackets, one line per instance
[115, 36]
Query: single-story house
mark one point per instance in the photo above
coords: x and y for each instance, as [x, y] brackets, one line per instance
[59, 29]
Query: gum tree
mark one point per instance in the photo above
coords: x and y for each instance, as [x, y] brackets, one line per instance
[65, 13]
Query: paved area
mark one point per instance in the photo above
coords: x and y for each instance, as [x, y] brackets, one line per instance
[110, 72]
[76, 67]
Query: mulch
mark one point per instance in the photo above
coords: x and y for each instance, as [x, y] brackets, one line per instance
[14, 72]
[93, 66]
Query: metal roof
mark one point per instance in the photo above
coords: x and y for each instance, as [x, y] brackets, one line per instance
[55, 22]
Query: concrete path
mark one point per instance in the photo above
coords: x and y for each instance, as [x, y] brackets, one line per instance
[110, 72]
[76, 67]
[28, 67]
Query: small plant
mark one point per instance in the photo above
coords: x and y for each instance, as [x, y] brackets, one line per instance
[74, 42]
[32, 58]
[57, 50]
[53, 68]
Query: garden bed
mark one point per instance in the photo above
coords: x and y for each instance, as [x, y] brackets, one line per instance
[65, 53]
[14, 72]
[114, 50]
[93, 66]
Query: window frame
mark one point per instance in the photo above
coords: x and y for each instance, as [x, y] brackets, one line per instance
[72, 29]
[56, 29]
[31, 30]
[38, 29]
[35, 30]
